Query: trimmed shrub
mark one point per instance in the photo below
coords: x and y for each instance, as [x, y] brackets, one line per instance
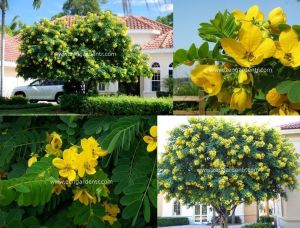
[266, 219]
[237, 220]
[24, 106]
[258, 225]
[172, 221]
[116, 105]
[163, 94]
[15, 100]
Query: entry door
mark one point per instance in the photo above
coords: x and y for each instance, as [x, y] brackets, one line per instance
[200, 214]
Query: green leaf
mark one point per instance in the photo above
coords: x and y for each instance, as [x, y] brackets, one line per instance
[291, 88]
[14, 224]
[95, 221]
[283, 27]
[22, 188]
[192, 53]
[135, 188]
[30, 221]
[297, 29]
[179, 57]
[131, 210]
[147, 209]
[152, 194]
[129, 199]
[203, 50]
[98, 210]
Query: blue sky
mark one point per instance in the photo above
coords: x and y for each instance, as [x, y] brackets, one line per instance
[188, 14]
[27, 14]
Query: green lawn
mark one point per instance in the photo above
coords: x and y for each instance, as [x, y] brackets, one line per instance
[51, 110]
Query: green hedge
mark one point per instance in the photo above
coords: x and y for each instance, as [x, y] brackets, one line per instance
[116, 105]
[266, 219]
[172, 221]
[15, 100]
[258, 225]
[24, 106]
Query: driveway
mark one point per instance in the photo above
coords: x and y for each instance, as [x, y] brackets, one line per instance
[201, 226]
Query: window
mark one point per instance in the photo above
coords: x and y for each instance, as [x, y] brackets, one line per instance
[102, 86]
[156, 77]
[176, 208]
[171, 70]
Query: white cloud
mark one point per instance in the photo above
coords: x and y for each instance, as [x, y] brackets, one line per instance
[168, 7]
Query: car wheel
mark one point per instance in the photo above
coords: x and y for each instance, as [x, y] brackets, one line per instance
[58, 98]
[21, 94]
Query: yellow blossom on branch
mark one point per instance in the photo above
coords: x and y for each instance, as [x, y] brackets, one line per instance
[152, 139]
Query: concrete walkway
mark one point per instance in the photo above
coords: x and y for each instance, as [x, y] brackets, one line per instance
[201, 226]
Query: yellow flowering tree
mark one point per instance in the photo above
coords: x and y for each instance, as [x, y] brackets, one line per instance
[94, 47]
[252, 56]
[223, 164]
[73, 171]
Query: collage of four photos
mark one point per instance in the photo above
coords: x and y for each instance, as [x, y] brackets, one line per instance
[150, 113]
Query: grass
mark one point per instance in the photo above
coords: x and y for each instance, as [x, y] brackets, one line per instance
[48, 110]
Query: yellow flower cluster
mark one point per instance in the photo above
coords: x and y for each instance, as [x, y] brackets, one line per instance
[151, 139]
[84, 162]
[112, 210]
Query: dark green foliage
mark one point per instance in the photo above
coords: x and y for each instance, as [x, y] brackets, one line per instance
[116, 105]
[15, 100]
[266, 219]
[258, 225]
[26, 196]
[167, 20]
[172, 221]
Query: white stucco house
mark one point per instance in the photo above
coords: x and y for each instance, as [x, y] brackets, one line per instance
[155, 39]
[201, 214]
[287, 213]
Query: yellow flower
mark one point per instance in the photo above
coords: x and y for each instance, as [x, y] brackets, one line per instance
[245, 78]
[274, 98]
[55, 140]
[224, 96]
[32, 160]
[68, 165]
[251, 48]
[58, 188]
[288, 48]
[112, 211]
[284, 110]
[241, 99]
[54, 144]
[92, 146]
[86, 163]
[253, 13]
[84, 197]
[277, 17]
[207, 77]
[152, 139]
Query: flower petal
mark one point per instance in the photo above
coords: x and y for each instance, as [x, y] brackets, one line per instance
[233, 48]
[59, 163]
[288, 40]
[148, 139]
[153, 131]
[151, 146]
[250, 37]
[72, 175]
[266, 48]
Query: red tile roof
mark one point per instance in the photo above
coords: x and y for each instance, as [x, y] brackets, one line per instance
[161, 41]
[11, 48]
[290, 126]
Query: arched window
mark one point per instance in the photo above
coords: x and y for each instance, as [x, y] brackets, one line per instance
[156, 77]
[176, 208]
[171, 70]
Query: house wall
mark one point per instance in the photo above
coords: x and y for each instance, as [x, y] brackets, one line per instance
[10, 81]
[164, 59]
[141, 38]
[165, 209]
[288, 212]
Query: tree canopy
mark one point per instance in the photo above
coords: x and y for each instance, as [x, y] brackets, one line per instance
[95, 47]
[167, 20]
[223, 164]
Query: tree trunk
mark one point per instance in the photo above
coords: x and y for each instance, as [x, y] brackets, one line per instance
[233, 217]
[3, 9]
[267, 207]
[223, 222]
[257, 211]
